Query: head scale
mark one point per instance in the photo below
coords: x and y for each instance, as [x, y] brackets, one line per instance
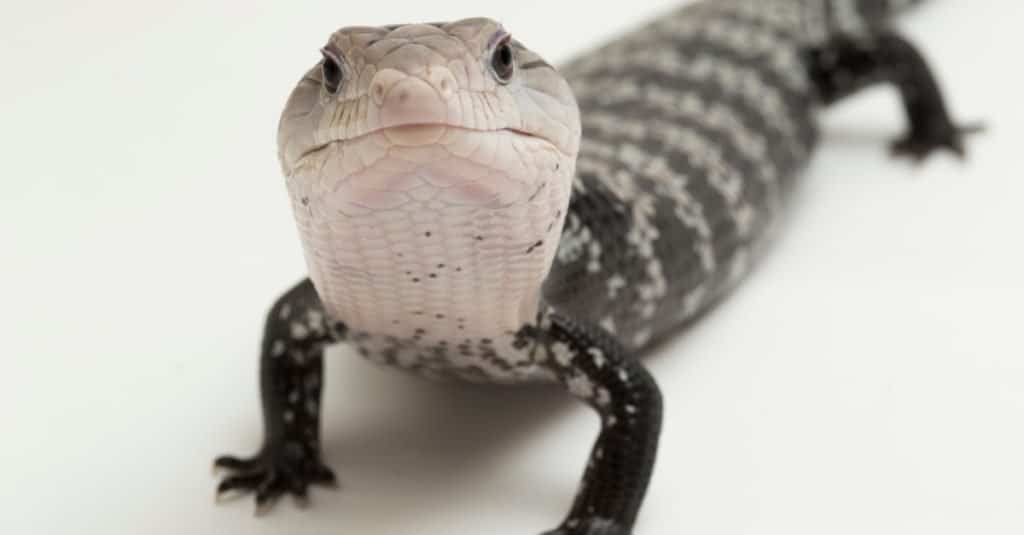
[417, 146]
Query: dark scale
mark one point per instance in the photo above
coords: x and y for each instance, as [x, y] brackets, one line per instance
[694, 131]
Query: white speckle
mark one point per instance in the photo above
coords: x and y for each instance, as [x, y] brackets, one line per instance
[299, 331]
[744, 217]
[277, 348]
[286, 311]
[623, 375]
[580, 386]
[293, 397]
[642, 337]
[289, 416]
[598, 356]
[315, 320]
[630, 409]
[609, 324]
[615, 283]
[595, 257]
[574, 240]
[562, 353]
[599, 453]
[612, 420]
[603, 398]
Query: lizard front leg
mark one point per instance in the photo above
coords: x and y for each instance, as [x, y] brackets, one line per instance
[291, 374]
[593, 367]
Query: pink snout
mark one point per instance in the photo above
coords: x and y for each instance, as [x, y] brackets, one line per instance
[408, 100]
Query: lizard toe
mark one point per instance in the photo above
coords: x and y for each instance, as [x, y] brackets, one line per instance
[272, 474]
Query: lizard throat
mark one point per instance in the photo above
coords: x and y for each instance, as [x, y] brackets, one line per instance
[430, 231]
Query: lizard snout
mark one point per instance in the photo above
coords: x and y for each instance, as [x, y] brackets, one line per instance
[403, 99]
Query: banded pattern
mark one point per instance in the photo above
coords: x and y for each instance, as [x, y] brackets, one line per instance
[694, 129]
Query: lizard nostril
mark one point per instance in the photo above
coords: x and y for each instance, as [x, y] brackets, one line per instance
[411, 100]
[377, 92]
[444, 82]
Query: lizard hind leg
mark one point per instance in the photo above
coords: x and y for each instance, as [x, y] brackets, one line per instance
[846, 64]
[291, 376]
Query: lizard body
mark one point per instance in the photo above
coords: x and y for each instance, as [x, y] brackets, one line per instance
[469, 211]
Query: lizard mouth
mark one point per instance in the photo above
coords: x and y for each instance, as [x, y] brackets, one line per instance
[419, 135]
[429, 133]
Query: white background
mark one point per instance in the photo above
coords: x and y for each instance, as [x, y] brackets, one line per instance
[869, 378]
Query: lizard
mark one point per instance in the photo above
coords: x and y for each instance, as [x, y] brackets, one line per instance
[469, 211]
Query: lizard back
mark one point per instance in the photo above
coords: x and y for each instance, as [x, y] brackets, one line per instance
[695, 128]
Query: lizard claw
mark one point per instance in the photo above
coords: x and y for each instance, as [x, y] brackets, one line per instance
[273, 473]
[918, 145]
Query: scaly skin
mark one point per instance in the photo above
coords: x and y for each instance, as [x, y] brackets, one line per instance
[428, 180]
[463, 217]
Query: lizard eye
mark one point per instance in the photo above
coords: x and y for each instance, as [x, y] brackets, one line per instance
[503, 63]
[330, 69]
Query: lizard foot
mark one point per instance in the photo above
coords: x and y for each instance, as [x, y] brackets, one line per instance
[290, 468]
[921, 144]
[590, 526]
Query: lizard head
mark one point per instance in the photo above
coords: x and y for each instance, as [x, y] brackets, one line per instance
[425, 160]
[398, 81]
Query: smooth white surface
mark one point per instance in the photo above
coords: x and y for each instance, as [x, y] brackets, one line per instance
[869, 378]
